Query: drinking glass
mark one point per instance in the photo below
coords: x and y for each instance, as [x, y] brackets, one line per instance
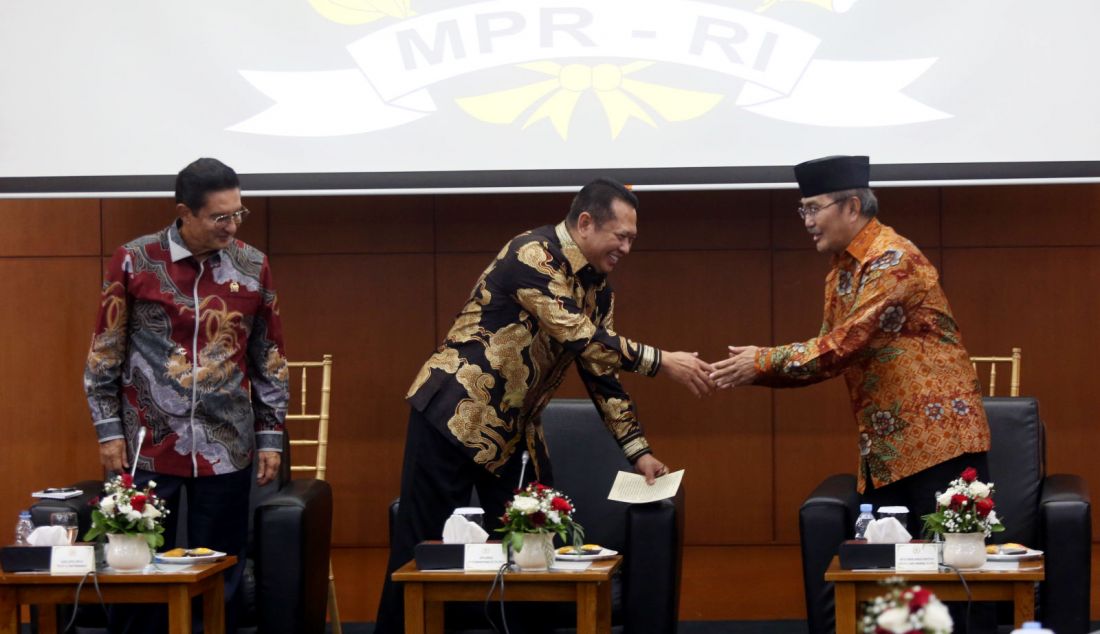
[66, 519]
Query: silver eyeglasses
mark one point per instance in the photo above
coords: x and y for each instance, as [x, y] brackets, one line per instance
[237, 217]
[811, 211]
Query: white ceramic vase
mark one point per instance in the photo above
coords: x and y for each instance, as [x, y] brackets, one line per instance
[537, 552]
[964, 550]
[127, 553]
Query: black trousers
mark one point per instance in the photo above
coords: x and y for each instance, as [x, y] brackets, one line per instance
[217, 518]
[436, 478]
[918, 491]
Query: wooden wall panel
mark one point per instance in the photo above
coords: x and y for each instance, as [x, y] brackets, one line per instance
[370, 312]
[49, 227]
[377, 281]
[731, 583]
[127, 218]
[1043, 300]
[913, 212]
[346, 224]
[47, 313]
[455, 275]
[815, 435]
[701, 302]
[1052, 215]
[711, 220]
[484, 223]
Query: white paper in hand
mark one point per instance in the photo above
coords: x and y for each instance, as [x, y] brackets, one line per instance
[459, 530]
[632, 488]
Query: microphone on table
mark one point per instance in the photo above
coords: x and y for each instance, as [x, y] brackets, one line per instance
[523, 459]
[137, 450]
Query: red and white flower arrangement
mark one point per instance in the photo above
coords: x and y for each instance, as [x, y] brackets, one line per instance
[539, 509]
[965, 507]
[906, 610]
[124, 509]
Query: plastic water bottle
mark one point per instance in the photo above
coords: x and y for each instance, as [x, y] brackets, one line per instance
[23, 528]
[1032, 627]
[865, 518]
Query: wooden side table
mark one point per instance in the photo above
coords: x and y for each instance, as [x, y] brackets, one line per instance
[426, 591]
[174, 588]
[853, 586]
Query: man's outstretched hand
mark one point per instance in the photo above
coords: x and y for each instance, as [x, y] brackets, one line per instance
[737, 370]
[687, 368]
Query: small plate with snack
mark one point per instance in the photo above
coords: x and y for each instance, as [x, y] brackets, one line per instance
[588, 552]
[1010, 552]
[189, 555]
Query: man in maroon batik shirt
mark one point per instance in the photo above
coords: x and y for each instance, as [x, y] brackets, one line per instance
[188, 346]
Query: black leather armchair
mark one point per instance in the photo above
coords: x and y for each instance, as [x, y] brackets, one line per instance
[1051, 513]
[646, 595]
[285, 583]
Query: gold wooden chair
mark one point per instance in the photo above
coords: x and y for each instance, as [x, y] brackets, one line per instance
[319, 416]
[1014, 378]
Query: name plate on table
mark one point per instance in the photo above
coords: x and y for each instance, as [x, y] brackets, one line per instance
[916, 557]
[484, 557]
[72, 560]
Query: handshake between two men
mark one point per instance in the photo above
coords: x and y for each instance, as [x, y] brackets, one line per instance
[702, 378]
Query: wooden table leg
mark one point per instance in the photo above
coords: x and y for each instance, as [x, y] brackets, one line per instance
[433, 617]
[179, 610]
[603, 607]
[845, 594]
[9, 611]
[587, 609]
[1023, 602]
[414, 608]
[213, 606]
[47, 618]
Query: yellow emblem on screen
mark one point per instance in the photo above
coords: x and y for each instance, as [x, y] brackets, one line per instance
[622, 98]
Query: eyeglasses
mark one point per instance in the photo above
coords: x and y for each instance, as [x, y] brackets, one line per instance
[237, 216]
[812, 210]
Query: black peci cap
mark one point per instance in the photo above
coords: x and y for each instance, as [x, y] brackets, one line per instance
[832, 174]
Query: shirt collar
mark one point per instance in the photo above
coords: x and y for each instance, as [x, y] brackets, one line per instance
[861, 244]
[570, 249]
[177, 249]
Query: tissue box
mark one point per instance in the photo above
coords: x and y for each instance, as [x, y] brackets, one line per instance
[25, 558]
[857, 553]
[435, 555]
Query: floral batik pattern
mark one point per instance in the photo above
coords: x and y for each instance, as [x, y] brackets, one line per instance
[207, 380]
[914, 393]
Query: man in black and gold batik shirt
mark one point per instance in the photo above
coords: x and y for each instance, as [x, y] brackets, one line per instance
[542, 304]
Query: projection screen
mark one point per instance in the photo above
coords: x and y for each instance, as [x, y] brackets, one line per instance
[113, 98]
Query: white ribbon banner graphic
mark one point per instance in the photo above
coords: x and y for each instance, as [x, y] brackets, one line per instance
[398, 64]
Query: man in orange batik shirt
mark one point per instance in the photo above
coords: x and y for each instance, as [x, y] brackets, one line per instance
[889, 330]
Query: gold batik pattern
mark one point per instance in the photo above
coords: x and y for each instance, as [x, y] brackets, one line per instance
[536, 309]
